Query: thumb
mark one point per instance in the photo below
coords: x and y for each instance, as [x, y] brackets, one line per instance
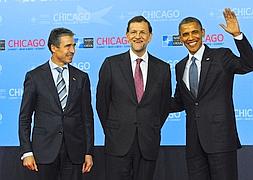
[223, 27]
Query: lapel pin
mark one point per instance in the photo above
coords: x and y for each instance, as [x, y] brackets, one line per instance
[74, 78]
[208, 59]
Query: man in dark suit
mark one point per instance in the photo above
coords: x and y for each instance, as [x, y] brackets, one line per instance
[57, 96]
[132, 94]
[211, 136]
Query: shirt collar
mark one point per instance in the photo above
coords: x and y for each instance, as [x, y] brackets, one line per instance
[198, 54]
[53, 65]
[134, 56]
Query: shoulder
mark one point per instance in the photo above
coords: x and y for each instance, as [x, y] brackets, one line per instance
[157, 60]
[77, 71]
[39, 68]
[117, 57]
[216, 51]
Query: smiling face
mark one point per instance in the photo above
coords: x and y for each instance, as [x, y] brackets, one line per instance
[64, 53]
[191, 36]
[138, 37]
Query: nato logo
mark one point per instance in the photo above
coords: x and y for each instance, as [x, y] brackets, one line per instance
[88, 42]
[171, 40]
[2, 45]
[84, 42]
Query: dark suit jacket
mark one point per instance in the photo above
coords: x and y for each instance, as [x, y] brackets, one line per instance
[51, 124]
[118, 109]
[213, 109]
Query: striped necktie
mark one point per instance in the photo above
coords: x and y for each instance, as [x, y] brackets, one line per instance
[61, 87]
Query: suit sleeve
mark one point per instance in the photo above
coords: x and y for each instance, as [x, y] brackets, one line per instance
[245, 62]
[242, 64]
[103, 95]
[176, 104]
[25, 116]
[166, 94]
[88, 117]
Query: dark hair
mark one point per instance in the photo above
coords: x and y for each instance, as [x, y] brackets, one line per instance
[189, 20]
[139, 19]
[56, 34]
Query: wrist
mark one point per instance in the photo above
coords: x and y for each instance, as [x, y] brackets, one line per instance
[236, 34]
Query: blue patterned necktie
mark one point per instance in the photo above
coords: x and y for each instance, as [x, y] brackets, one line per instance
[61, 87]
[193, 77]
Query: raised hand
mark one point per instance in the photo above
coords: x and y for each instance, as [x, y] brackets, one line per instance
[232, 25]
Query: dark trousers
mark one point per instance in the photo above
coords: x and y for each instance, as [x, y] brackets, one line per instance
[61, 169]
[209, 166]
[132, 166]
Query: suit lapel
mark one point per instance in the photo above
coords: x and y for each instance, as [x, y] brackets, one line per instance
[126, 68]
[181, 74]
[49, 82]
[205, 64]
[152, 75]
[72, 85]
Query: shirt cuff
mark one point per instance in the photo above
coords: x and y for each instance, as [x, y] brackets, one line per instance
[26, 155]
[239, 37]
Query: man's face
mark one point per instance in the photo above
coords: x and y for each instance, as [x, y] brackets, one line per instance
[191, 36]
[138, 37]
[65, 52]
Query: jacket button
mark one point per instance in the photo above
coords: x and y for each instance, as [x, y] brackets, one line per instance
[60, 133]
[196, 103]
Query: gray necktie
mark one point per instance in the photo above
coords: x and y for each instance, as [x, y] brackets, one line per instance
[61, 87]
[193, 77]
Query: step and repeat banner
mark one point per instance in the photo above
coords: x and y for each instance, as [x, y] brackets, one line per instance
[100, 28]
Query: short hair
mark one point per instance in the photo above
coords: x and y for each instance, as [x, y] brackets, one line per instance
[189, 20]
[139, 19]
[56, 34]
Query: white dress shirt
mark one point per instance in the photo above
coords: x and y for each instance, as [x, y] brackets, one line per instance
[198, 55]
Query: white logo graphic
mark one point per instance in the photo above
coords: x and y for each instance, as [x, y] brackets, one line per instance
[81, 16]
[84, 66]
[244, 114]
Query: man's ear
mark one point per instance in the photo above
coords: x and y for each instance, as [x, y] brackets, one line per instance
[203, 33]
[53, 48]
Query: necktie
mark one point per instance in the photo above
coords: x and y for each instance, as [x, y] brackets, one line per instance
[193, 77]
[61, 88]
[138, 80]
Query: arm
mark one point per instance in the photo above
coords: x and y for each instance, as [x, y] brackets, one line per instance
[243, 64]
[25, 120]
[89, 127]
[176, 103]
[88, 117]
[166, 94]
[103, 95]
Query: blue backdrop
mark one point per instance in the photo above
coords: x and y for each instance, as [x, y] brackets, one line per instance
[100, 28]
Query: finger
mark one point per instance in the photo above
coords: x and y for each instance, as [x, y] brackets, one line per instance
[86, 167]
[35, 167]
[233, 15]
